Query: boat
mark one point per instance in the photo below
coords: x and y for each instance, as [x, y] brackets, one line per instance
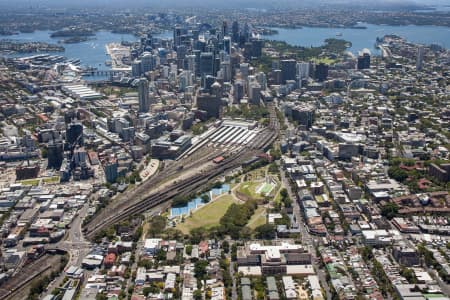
[339, 34]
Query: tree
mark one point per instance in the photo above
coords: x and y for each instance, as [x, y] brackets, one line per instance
[275, 153]
[226, 246]
[157, 225]
[409, 275]
[197, 235]
[180, 201]
[150, 290]
[397, 173]
[146, 263]
[188, 249]
[198, 295]
[205, 198]
[161, 255]
[389, 210]
[265, 231]
[200, 269]
[101, 296]
[273, 168]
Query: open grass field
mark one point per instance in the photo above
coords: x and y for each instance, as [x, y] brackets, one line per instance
[54, 179]
[36, 181]
[258, 218]
[33, 182]
[249, 189]
[207, 216]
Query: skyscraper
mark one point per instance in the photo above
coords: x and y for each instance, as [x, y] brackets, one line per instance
[206, 64]
[225, 68]
[364, 61]
[227, 44]
[288, 69]
[55, 155]
[136, 69]
[224, 28]
[111, 170]
[303, 69]
[209, 103]
[146, 62]
[74, 135]
[235, 32]
[321, 72]
[238, 91]
[178, 36]
[144, 100]
[419, 62]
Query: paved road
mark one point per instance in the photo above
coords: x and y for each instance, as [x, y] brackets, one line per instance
[75, 244]
[307, 239]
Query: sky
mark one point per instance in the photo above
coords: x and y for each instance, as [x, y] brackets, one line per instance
[211, 3]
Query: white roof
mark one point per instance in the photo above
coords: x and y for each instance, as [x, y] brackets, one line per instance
[314, 282]
[151, 243]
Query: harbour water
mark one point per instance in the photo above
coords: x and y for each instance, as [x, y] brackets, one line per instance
[92, 53]
[362, 38]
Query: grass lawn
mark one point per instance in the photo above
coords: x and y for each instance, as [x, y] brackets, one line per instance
[33, 182]
[256, 174]
[208, 215]
[277, 198]
[325, 60]
[249, 188]
[258, 218]
[54, 179]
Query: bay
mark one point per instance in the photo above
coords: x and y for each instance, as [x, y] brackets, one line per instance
[361, 38]
[92, 53]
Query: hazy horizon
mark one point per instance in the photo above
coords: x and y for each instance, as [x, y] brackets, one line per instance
[214, 4]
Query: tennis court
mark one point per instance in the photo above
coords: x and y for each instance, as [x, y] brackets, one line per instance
[265, 189]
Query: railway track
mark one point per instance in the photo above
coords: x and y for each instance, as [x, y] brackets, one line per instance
[179, 188]
[125, 209]
[14, 285]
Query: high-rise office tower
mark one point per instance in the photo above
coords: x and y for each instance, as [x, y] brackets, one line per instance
[254, 93]
[321, 72]
[144, 99]
[262, 80]
[211, 102]
[303, 70]
[55, 155]
[225, 67]
[257, 46]
[288, 69]
[227, 44]
[235, 32]
[364, 61]
[197, 54]
[178, 34]
[190, 63]
[146, 62]
[74, 135]
[238, 91]
[420, 54]
[206, 64]
[111, 171]
[244, 68]
[224, 28]
[136, 70]
[185, 80]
